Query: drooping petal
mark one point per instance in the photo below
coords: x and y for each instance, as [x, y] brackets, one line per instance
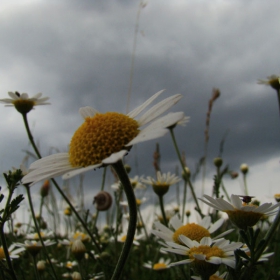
[159, 108]
[87, 112]
[134, 113]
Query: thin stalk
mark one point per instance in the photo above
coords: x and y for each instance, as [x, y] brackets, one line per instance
[35, 268]
[161, 204]
[121, 172]
[185, 173]
[6, 252]
[38, 230]
[141, 219]
[184, 200]
[102, 188]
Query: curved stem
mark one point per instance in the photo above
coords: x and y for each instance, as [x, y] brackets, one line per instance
[184, 170]
[38, 230]
[161, 204]
[120, 170]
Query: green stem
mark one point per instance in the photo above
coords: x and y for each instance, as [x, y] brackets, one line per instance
[245, 184]
[121, 172]
[38, 230]
[57, 186]
[102, 188]
[141, 219]
[35, 268]
[6, 252]
[184, 170]
[161, 204]
[184, 200]
[268, 236]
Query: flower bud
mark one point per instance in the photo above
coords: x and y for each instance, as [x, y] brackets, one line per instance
[186, 174]
[127, 168]
[76, 276]
[78, 249]
[244, 168]
[41, 266]
[45, 188]
[103, 201]
[218, 162]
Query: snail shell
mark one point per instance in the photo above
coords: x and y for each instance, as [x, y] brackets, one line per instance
[103, 201]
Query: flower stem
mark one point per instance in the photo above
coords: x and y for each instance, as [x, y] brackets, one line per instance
[38, 230]
[121, 172]
[184, 200]
[161, 204]
[184, 170]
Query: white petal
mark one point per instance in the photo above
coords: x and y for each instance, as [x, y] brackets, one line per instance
[139, 109]
[162, 235]
[37, 96]
[200, 257]
[214, 260]
[236, 201]
[205, 222]
[163, 228]
[206, 241]
[175, 222]
[168, 120]
[224, 233]
[113, 158]
[87, 112]
[50, 160]
[187, 241]
[145, 135]
[229, 262]
[13, 95]
[159, 108]
[78, 171]
[216, 225]
[181, 262]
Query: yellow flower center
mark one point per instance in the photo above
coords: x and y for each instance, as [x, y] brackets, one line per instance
[207, 251]
[244, 219]
[123, 238]
[24, 105]
[99, 137]
[80, 235]
[159, 266]
[138, 202]
[192, 231]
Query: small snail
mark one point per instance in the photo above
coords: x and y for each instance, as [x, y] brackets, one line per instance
[103, 201]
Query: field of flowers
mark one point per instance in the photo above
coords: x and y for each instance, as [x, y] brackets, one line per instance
[234, 237]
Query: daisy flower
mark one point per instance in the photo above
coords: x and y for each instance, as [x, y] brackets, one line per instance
[33, 246]
[13, 253]
[272, 81]
[105, 138]
[162, 183]
[191, 230]
[43, 234]
[122, 238]
[204, 256]
[242, 215]
[162, 264]
[22, 102]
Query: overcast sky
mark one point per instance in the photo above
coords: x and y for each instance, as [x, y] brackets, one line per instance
[79, 54]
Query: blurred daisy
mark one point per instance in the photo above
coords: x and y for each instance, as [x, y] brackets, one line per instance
[204, 256]
[216, 276]
[13, 252]
[162, 183]
[272, 81]
[191, 230]
[162, 264]
[105, 138]
[135, 183]
[122, 238]
[242, 215]
[43, 234]
[23, 103]
[33, 246]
